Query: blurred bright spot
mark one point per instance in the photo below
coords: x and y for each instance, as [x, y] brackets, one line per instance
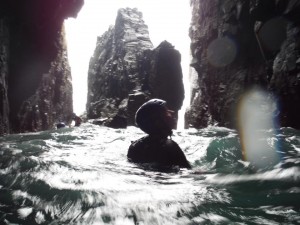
[257, 129]
[221, 52]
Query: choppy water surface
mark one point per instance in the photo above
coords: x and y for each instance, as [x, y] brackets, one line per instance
[81, 176]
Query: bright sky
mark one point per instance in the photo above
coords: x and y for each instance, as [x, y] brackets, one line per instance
[166, 19]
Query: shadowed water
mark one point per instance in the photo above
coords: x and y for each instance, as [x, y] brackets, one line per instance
[81, 176]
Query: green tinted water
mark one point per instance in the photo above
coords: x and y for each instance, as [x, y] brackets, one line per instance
[81, 176]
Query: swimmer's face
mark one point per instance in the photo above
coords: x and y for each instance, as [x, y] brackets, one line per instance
[166, 123]
[163, 122]
[170, 119]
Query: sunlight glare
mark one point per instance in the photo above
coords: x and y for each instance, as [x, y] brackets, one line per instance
[257, 129]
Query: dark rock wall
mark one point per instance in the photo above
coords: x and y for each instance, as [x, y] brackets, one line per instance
[4, 46]
[237, 45]
[36, 72]
[285, 80]
[52, 99]
[125, 71]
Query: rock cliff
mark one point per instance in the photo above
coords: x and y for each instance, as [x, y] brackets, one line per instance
[35, 78]
[237, 45]
[125, 71]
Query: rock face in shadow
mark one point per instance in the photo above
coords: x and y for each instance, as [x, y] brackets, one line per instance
[35, 77]
[125, 71]
[4, 48]
[240, 45]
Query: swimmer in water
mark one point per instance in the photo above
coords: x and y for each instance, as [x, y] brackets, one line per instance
[155, 119]
[77, 120]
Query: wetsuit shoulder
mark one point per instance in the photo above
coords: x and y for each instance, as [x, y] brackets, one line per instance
[175, 154]
[162, 151]
[140, 150]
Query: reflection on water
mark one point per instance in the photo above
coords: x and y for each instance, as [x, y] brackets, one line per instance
[81, 176]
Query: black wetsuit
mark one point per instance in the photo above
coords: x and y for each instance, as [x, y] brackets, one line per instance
[163, 151]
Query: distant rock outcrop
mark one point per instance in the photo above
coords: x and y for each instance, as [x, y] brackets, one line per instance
[125, 71]
[35, 77]
[237, 45]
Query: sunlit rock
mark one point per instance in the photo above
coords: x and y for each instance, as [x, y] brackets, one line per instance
[125, 71]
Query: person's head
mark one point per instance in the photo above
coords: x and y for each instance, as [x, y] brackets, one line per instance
[60, 125]
[74, 116]
[154, 118]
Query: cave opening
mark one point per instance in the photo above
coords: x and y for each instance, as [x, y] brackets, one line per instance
[167, 20]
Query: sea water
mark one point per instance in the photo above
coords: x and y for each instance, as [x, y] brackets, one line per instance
[81, 175]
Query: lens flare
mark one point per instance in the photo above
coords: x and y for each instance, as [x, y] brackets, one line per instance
[256, 114]
[273, 33]
[221, 52]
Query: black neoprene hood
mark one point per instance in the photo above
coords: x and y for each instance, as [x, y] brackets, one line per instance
[145, 114]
